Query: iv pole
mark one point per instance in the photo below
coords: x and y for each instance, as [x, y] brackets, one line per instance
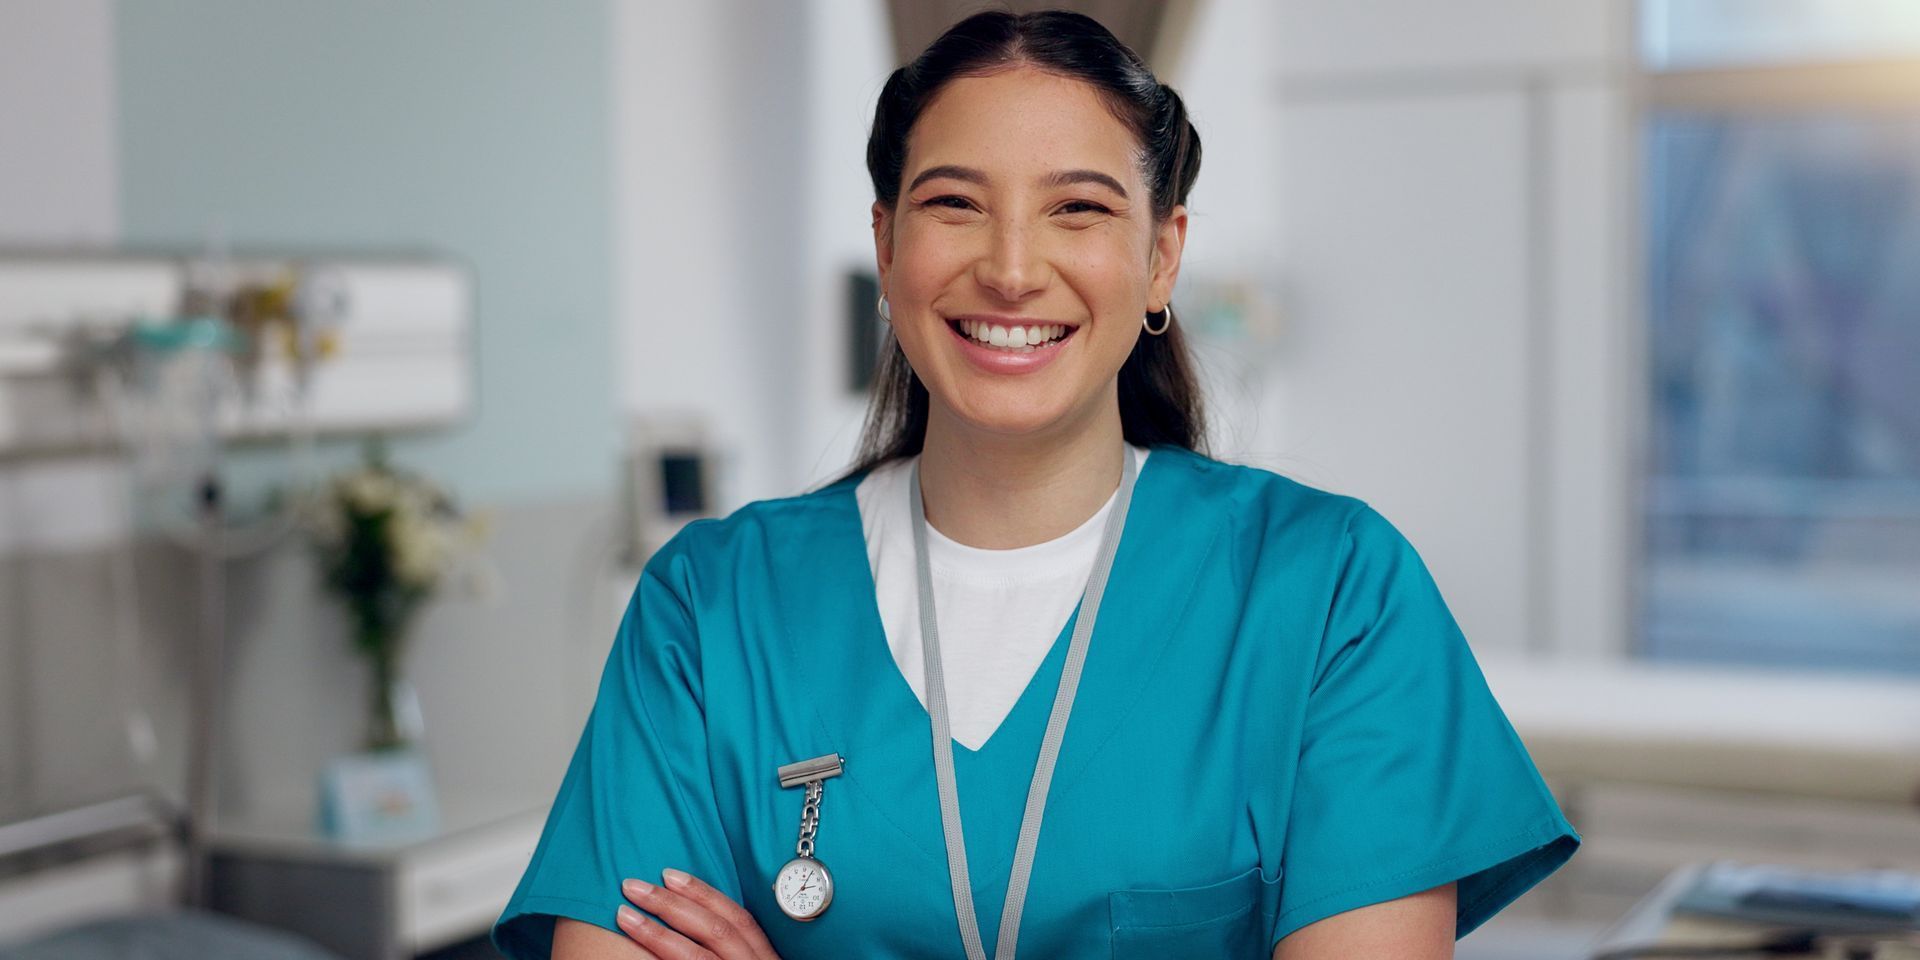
[214, 545]
[202, 779]
[205, 341]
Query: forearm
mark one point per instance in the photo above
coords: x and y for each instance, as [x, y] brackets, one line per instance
[573, 940]
[1417, 927]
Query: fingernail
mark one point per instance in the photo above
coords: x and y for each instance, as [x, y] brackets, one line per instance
[675, 878]
[629, 917]
[637, 888]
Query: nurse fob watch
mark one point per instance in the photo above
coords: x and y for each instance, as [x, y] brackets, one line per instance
[804, 887]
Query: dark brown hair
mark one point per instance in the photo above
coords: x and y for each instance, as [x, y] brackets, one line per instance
[1159, 394]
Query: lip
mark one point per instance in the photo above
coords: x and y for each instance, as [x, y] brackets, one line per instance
[991, 360]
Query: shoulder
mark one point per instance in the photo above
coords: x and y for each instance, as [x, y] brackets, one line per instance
[1260, 502]
[750, 530]
[1280, 526]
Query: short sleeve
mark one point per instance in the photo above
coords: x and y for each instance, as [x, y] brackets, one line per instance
[1409, 774]
[638, 795]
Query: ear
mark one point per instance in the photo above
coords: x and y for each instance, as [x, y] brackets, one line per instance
[883, 241]
[1168, 243]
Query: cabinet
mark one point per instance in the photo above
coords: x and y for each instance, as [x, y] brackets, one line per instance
[375, 903]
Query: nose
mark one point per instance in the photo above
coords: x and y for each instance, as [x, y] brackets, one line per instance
[1011, 266]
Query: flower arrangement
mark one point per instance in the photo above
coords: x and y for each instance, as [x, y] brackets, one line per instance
[386, 540]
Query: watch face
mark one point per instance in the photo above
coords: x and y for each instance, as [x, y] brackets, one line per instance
[803, 888]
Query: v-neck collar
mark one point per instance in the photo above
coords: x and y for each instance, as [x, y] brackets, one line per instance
[1040, 686]
[869, 712]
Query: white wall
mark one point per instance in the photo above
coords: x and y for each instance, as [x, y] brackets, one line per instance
[709, 161]
[1406, 380]
[1234, 213]
[1424, 43]
[1451, 184]
[61, 184]
[849, 56]
[58, 189]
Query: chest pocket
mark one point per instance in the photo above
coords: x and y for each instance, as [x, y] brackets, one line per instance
[1228, 919]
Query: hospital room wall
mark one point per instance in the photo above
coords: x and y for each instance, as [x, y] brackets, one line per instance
[710, 171]
[1440, 194]
[484, 137]
[1454, 221]
[58, 187]
[1436, 190]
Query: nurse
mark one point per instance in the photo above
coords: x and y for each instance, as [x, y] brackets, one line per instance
[1036, 673]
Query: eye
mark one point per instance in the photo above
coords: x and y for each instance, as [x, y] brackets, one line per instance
[1083, 206]
[950, 201]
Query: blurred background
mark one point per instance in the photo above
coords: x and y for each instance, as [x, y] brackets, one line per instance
[1613, 307]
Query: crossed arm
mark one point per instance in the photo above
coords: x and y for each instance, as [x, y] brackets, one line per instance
[1416, 927]
[706, 925]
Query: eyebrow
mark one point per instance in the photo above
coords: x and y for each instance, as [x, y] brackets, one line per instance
[1057, 179]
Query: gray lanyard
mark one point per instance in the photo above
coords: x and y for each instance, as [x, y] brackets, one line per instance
[936, 685]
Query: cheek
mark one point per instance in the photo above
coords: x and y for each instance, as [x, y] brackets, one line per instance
[1113, 284]
[924, 261]
[1113, 259]
[918, 273]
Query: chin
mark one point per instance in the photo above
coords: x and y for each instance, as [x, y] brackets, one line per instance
[1015, 418]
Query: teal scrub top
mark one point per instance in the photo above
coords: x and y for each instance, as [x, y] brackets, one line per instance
[1278, 721]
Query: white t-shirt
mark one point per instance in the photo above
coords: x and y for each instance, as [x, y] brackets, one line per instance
[999, 611]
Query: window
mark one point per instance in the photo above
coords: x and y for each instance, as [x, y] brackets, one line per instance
[1695, 34]
[1782, 495]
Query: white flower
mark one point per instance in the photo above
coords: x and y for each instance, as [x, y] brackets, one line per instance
[368, 491]
[428, 541]
[420, 548]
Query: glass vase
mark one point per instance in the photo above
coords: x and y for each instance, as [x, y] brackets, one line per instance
[393, 708]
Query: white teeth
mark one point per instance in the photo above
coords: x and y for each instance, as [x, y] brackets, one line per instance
[1019, 339]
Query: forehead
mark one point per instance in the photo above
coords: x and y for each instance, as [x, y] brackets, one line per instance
[1022, 120]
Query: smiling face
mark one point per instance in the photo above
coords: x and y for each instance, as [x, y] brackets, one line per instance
[1022, 252]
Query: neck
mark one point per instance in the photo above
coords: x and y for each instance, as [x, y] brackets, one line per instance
[998, 492]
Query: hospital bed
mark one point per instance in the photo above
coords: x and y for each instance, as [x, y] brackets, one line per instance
[101, 882]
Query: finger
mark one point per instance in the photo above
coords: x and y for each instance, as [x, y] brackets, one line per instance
[724, 907]
[656, 940]
[690, 921]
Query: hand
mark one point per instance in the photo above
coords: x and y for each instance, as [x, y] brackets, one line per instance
[705, 923]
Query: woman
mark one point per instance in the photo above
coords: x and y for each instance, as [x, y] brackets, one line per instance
[1275, 740]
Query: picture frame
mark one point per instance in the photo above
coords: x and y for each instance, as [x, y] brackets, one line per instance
[377, 798]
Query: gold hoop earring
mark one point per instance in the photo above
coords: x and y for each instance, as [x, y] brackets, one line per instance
[1146, 323]
[885, 312]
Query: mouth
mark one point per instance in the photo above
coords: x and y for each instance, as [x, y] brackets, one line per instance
[1007, 336]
